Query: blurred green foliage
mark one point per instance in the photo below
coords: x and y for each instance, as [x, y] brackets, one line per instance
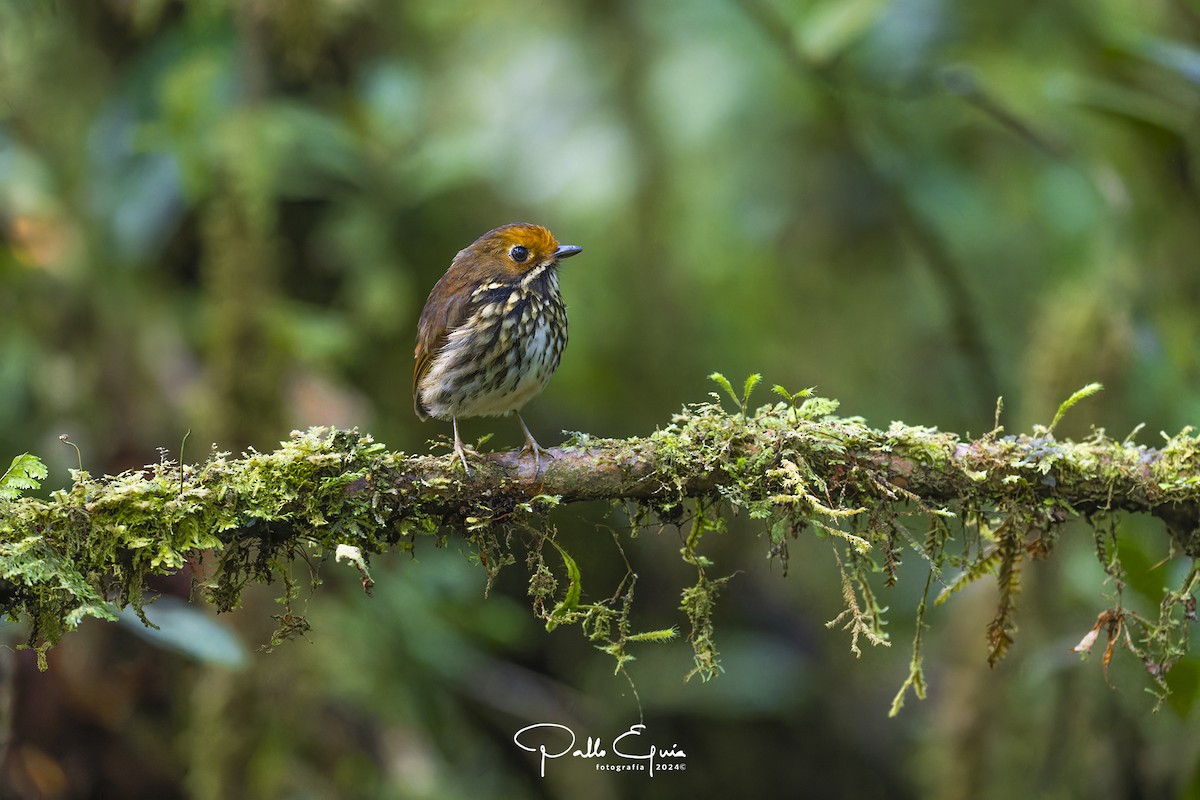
[224, 217]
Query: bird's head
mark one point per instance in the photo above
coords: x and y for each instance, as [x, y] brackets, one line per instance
[514, 250]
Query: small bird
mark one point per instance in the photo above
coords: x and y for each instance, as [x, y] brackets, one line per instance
[493, 330]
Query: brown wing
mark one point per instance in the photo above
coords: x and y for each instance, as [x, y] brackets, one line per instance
[444, 311]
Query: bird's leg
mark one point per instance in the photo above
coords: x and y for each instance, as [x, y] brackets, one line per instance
[459, 450]
[532, 446]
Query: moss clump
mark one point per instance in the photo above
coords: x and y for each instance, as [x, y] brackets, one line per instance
[90, 548]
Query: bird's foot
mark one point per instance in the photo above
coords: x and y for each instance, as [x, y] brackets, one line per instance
[531, 446]
[460, 452]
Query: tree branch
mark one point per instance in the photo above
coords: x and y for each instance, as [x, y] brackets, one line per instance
[794, 464]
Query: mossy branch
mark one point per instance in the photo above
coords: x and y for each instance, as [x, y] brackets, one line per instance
[794, 464]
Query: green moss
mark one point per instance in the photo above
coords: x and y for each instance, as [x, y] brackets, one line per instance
[800, 468]
[88, 549]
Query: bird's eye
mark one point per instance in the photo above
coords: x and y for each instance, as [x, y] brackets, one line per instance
[518, 254]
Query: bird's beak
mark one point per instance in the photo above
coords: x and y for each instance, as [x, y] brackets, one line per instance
[567, 250]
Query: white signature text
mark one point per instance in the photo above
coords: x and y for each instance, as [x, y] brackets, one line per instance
[551, 740]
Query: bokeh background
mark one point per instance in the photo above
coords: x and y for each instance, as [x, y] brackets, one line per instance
[223, 217]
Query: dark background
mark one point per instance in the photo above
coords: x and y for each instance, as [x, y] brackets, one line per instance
[223, 217]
